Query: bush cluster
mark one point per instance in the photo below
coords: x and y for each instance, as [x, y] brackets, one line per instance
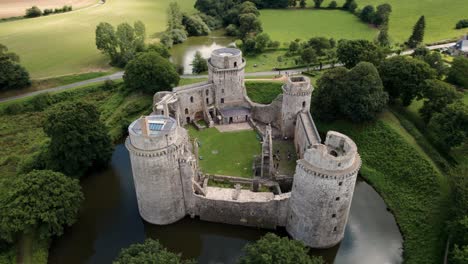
[36, 12]
[462, 24]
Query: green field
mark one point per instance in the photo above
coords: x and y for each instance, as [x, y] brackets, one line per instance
[263, 92]
[64, 43]
[287, 25]
[230, 153]
[441, 17]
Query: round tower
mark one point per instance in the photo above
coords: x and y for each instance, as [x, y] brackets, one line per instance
[226, 71]
[297, 92]
[322, 191]
[154, 144]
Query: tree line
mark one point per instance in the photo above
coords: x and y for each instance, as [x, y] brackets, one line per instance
[37, 12]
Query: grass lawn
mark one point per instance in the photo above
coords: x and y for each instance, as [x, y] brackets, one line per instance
[64, 43]
[287, 25]
[230, 153]
[286, 167]
[263, 92]
[441, 17]
[268, 60]
[407, 180]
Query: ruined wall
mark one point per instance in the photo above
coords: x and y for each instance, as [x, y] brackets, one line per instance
[267, 114]
[305, 134]
[264, 210]
[192, 98]
[321, 198]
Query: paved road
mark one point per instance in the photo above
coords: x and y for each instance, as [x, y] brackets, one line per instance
[118, 75]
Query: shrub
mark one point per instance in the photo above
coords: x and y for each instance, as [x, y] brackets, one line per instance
[150, 251]
[462, 24]
[33, 12]
[333, 5]
[457, 74]
[47, 12]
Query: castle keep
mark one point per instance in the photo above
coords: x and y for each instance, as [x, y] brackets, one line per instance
[170, 185]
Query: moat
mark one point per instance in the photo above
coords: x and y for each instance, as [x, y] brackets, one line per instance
[109, 220]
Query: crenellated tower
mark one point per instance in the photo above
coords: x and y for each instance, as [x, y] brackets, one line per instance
[297, 92]
[322, 191]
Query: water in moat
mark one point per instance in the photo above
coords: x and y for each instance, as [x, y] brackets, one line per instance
[182, 54]
[109, 220]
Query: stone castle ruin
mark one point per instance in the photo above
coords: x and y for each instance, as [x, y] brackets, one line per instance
[170, 185]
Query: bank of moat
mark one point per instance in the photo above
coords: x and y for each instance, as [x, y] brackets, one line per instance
[313, 203]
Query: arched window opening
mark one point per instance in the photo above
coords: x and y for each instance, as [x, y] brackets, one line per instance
[303, 104]
[235, 64]
[186, 111]
[191, 99]
[334, 153]
[207, 92]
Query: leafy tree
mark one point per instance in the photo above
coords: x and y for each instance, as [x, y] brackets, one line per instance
[418, 33]
[352, 6]
[292, 3]
[195, 26]
[33, 12]
[248, 7]
[150, 73]
[318, 3]
[232, 30]
[458, 73]
[346, 4]
[175, 32]
[262, 41]
[383, 39]
[434, 59]
[309, 56]
[460, 254]
[403, 77]
[140, 35]
[382, 14]
[274, 249]
[363, 96]
[248, 45]
[249, 24]
[126, 42]
[351, 52]
[160, 49]
[106, 40]
[437, 95]
[449, 128]
[320, 44]
[12, 74]
[294, 47]
[333, 5]
[40, 201]
[199, 64]
[324, 103]
[150, 251]
[367, 14]
[463, 23]
[303, 3]
[78, 138]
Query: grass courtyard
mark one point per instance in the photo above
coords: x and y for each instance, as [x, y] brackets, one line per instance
[229, 153]
[441, 17]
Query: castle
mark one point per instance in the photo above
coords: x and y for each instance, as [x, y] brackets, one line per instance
[169, 184]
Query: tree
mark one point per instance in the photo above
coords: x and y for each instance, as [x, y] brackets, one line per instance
[458, 73]
[460, 254]
[195, 26]
[150, 251]
[249, 24]
[449, 128]
[140, 35]
[319, 44]
[403, 77]
[324, 103]
[418, 33]
[437, 95]
[248, 7]
[199, 64]
[362, 97]
[273, 249]
[292, 3]
[346, 4]
[262, 41]
[78, 138]
[367, 14]
[294, 47]
[309, 56]
[351, 52]
[382, 14]
[333, 5]
[434, 59]
[40, 201]
[463, 23]
[33, 12]
[126, 43]
[232, 30]
[383, 39]
[160, 49]
[106, 40]
[175, 32]
[318, 3]
[303, 3]
[150, 73]
[12, 74]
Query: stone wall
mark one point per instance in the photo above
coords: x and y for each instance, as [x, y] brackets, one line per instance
[305, 134]
[297, 93]
[260, 209]
[267, 114]
[192, 99]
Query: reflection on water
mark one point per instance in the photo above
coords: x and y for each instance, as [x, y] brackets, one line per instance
[109, 221]
[182, 54]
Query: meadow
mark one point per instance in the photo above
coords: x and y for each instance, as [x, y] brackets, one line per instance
[441, 17]
[64, 43]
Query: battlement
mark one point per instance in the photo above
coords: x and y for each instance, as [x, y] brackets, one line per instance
[297, 86]
[153, 132]
[338, 153]
[226, 58]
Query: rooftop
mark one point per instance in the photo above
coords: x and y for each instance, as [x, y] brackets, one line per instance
[227, 52]
[156, 125]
